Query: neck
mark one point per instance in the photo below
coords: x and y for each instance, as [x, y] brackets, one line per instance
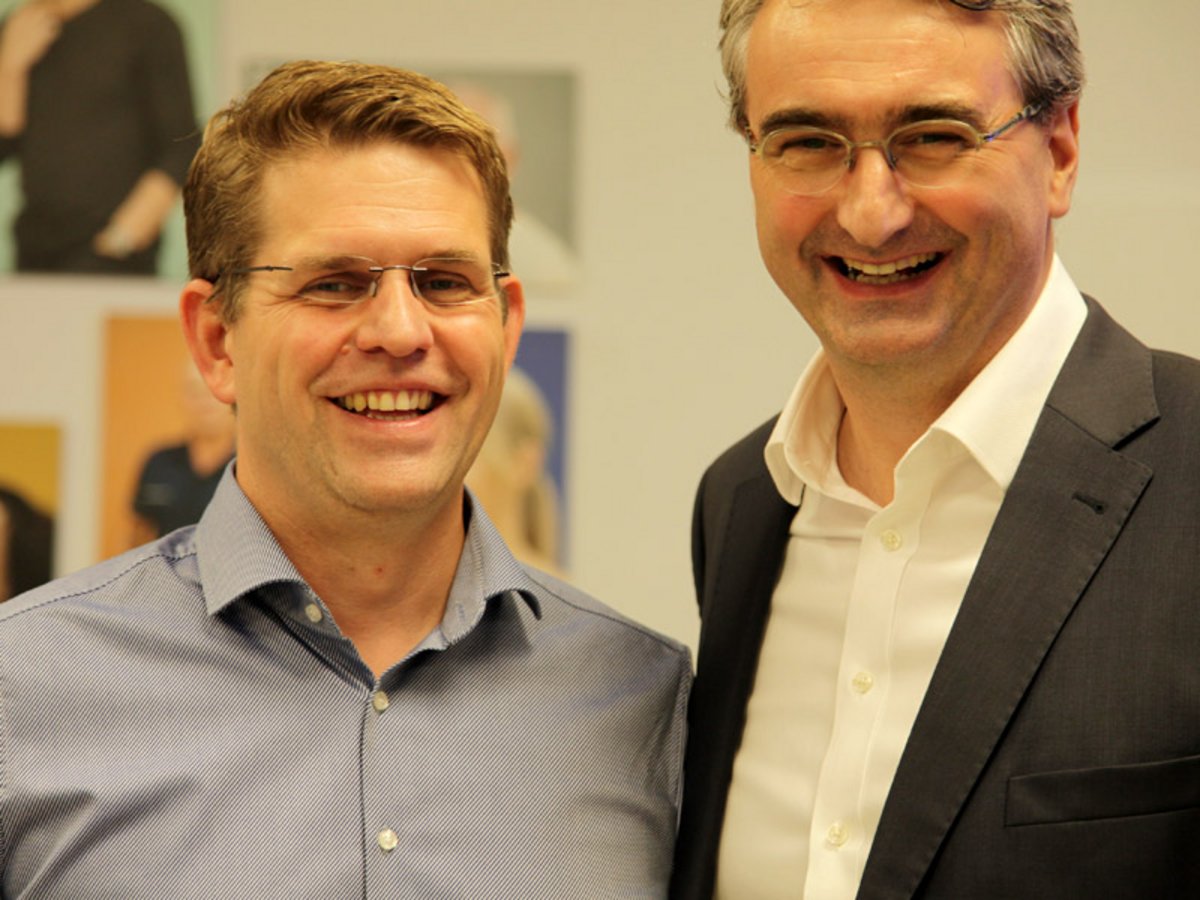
[890, 405]
[385, 578]
[884, 417]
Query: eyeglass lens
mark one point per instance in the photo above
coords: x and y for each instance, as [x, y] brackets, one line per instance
[439, 282]
[924, 153]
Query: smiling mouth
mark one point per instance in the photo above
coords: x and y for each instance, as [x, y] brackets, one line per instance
[389, 406]
[886, 273]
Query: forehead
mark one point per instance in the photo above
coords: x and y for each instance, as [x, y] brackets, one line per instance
[866, 61]
[382, 200]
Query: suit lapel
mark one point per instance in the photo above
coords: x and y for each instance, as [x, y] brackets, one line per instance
[744, 554]
[1070, 498]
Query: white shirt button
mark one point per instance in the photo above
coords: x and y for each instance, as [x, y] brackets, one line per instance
[891, 540]
[837, 835]
[862, 682]
[387, 840]
[379, 700]
[313, 612]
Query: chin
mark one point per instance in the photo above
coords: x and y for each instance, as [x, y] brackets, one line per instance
[395, 496]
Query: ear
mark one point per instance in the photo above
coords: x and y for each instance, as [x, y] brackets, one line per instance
[1063, 133]
[207, 337]
[514, 319]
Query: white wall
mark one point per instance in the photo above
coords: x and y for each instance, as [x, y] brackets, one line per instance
[52, 333]
[682, 342]
[1133, 226]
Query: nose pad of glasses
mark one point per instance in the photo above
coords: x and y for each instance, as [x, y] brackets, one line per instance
[379, 272]
[884, 151]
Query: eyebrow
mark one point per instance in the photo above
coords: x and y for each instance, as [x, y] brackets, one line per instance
[338, 261]
[349, 260]
[922, 112]
[799, 117]
[950, 110]
[460, 255]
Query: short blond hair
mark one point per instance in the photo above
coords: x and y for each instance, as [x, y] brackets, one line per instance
[305, 106]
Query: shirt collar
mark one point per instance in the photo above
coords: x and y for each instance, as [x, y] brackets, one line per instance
[803, 445]
[237, 554]
[486, 570]
[996, 413]
[992, 418]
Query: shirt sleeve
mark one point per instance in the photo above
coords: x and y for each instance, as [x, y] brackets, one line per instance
[172, 128]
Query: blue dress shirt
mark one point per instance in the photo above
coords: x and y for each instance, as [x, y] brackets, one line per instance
[186, 720]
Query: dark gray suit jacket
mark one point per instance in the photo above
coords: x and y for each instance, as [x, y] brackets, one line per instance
[1056, 753]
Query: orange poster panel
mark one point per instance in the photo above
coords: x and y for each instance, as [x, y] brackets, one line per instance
[146, 362]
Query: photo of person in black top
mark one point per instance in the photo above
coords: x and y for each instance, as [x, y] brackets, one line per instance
[96, 105]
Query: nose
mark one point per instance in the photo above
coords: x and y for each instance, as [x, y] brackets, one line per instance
[394, 319]
[874, 204]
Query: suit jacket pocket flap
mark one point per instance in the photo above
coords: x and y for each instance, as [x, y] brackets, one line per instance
[1106, 793]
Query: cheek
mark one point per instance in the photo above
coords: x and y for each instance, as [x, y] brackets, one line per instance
[476, 358]
[781, 215]
[996, 219]
[271, 361]
[1002, 193]
[784, 222]
[766, 203]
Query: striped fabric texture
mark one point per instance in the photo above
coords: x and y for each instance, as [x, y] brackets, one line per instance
[186, 720]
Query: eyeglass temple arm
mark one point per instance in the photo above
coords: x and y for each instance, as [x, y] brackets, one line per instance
[1028, 112]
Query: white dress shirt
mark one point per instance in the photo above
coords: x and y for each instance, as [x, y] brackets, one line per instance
[864, 602]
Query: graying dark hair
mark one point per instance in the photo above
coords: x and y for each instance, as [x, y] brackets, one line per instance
[1043, 51]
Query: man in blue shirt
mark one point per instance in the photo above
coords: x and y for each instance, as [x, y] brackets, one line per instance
[340, 683]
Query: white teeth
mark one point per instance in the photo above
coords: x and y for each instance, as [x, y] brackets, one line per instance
[882, 270]
[889, 268]
[387, 401]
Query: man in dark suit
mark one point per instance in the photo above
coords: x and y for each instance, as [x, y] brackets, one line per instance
[949, 602]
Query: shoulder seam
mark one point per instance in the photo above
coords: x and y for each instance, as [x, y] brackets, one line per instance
[612, 616]
[96, 587]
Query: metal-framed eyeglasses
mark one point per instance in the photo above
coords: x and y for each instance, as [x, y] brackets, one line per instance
[928, 153]
[442, 282]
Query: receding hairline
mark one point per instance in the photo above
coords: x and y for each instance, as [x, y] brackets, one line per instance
[1041, 54]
